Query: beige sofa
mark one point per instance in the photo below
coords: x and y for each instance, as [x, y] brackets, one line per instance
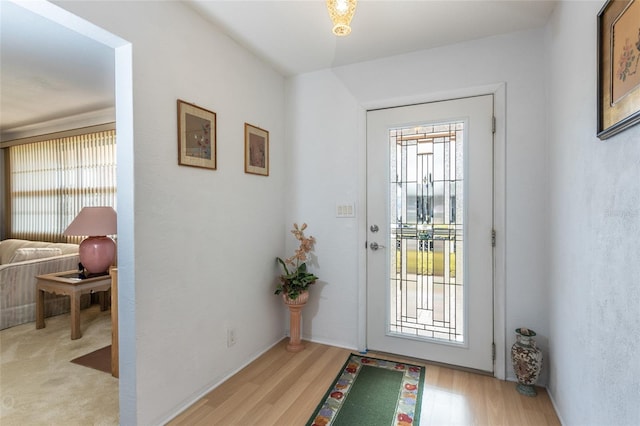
[20, 262]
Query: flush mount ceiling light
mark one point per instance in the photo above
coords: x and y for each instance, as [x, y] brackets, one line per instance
[341, 13]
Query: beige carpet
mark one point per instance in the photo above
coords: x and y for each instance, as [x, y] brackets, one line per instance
[40, 386]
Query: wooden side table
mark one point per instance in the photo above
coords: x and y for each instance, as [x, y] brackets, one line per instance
[115, 363]
[68, 284]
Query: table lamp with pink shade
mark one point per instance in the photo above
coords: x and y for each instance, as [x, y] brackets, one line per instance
[97, 252]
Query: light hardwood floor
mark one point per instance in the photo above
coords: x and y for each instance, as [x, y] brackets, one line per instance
[281, 388]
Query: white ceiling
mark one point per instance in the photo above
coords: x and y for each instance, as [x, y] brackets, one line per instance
[50, 72]
[296, 37]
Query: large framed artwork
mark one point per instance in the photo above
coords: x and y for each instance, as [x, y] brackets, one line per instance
[618, 66]
[196, 136]
[256, 150]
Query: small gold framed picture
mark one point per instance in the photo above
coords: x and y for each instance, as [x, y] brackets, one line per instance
[256, 150]
[196, 136]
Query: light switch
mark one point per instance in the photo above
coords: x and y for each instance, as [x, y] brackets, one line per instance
[346, 210]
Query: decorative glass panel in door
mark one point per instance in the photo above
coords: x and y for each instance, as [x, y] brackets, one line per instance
[427, 231]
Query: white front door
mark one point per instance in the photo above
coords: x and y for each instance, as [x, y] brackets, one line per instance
[429, 228]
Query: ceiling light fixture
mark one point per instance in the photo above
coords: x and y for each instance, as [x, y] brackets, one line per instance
[341, 12]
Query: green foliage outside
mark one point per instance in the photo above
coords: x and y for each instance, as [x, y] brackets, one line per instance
[426, 262]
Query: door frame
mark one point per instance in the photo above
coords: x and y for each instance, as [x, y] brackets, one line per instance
[123, 74]
[499, 93]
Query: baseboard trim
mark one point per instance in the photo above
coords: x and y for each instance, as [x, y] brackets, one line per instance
[555, 406]
[331, 343]
[202, 392]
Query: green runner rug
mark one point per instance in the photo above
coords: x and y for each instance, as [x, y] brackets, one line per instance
[372, 392]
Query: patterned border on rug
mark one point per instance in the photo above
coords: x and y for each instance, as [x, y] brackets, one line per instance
[407, 411]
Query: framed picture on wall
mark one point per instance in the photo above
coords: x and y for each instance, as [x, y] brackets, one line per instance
[196, 136]
[256, 150]
[618, 66]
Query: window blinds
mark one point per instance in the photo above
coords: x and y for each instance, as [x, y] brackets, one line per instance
[51, 181]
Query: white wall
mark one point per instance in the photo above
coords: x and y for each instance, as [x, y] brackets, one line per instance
[594, 203]
[322, 153]
[205, 241]
[326, 142]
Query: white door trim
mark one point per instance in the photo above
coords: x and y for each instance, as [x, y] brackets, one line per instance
[122, 50]
[499, 207]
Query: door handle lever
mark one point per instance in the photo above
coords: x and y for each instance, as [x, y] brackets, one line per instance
[375, 246]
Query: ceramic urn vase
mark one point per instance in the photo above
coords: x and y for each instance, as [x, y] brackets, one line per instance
[527, 361]
[295, 318]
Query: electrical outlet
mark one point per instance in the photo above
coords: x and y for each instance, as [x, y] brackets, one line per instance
[231, 336]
